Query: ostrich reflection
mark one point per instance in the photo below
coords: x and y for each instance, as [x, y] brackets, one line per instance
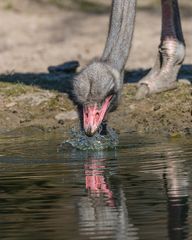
[109, 209]
[96, 184]
[103, 212]
[176, 185]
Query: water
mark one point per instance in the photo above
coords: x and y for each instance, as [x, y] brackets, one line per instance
[141, 190]
[81, 141]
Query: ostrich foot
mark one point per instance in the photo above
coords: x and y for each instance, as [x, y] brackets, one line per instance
[155, 84]
[163, 75]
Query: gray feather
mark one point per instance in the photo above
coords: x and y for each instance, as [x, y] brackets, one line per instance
[101, 77]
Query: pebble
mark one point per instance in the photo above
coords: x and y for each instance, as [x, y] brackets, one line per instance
[11, 104]
[71, 115]
[184, 81]
[156, 107]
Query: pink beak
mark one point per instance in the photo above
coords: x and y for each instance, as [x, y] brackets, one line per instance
[93, 116]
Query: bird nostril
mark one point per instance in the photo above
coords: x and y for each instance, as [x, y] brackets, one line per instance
[97, 115]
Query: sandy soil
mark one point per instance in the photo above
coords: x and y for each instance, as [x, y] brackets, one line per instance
[34, 38]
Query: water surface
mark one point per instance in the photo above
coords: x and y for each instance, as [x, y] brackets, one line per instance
[141, 190]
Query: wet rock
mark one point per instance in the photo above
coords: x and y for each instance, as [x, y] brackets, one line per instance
[61, 117]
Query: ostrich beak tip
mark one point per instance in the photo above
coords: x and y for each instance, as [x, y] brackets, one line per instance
[93, 116]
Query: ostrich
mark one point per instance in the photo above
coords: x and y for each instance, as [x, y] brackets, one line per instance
[97, 88]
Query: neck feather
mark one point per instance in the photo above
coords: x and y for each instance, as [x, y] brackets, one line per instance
[120, 33]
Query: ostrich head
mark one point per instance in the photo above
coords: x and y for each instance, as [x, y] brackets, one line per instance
[96, 91]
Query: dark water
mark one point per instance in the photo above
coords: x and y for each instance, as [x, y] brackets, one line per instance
[140, 191]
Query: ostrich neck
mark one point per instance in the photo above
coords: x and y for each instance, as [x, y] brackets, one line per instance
[120, 33]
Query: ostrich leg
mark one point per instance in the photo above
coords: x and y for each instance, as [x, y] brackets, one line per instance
[162, 76]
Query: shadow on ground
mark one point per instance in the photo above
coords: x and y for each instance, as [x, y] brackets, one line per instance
[62, 82]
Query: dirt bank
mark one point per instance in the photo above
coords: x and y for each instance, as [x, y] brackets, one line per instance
[30, 96]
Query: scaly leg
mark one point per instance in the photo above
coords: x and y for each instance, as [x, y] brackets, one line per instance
[163, 75]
